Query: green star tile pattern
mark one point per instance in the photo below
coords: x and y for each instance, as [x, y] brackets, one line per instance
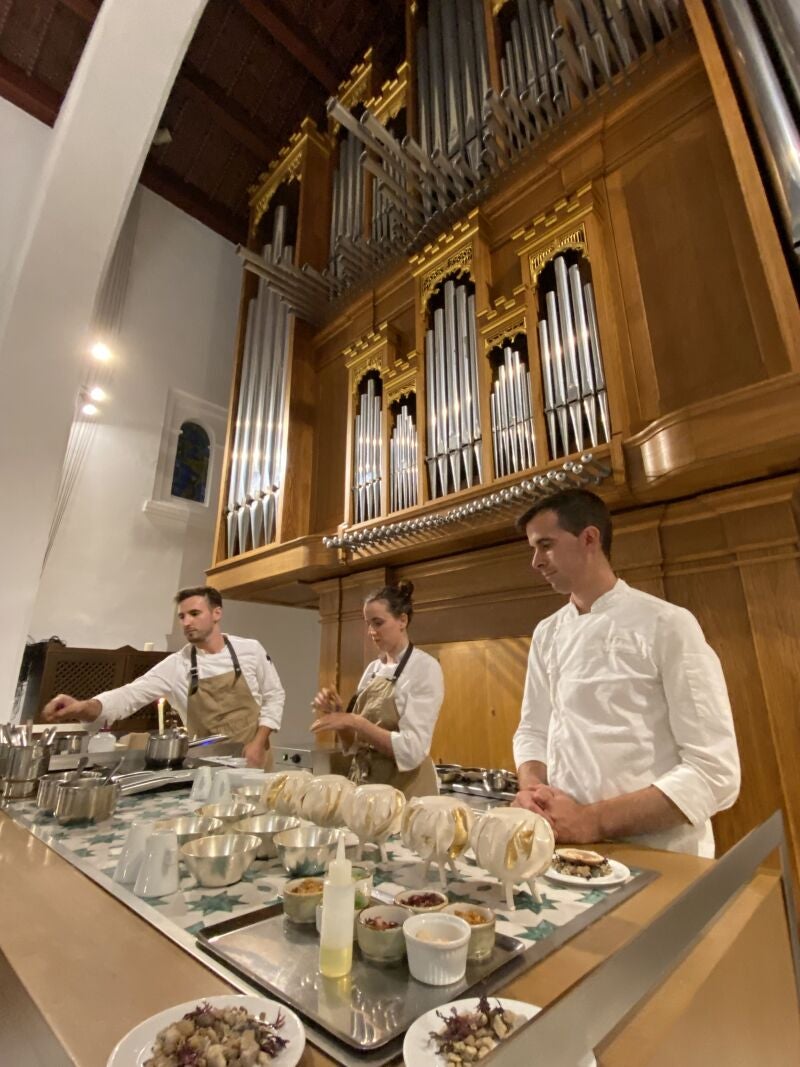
[208, 904]
[537, 933]
[525, 902]
[594, 896]
[102, 839]
[83, 853]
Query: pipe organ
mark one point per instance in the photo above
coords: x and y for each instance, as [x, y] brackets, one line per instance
[538, 256]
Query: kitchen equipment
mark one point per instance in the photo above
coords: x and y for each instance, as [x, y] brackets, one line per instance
[382, 945]
[70, 742]
[481, 924]
[47, 789]
[514, 845]
[221, 859]
[499, 781]
[85, 800]
[448, 772]
[23, 765]
[307, 850]
[132, 854]
[190, 827]
[265, 827]
[158, 873]
[169, 749]
[301, 898]
[230, 811]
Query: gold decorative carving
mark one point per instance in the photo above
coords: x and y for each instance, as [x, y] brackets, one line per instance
[391, 99]
[459, 262]
[359, 85]
[504, 319]
[497, 6]
[374, 351]
[509, 330]
[454, 252]
[401, 377]
[287, 167]
[572, 239]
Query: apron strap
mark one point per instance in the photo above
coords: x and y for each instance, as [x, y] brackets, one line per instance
[194, 676]
[401, 666]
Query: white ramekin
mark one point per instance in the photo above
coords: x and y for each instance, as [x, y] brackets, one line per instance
[432, 962]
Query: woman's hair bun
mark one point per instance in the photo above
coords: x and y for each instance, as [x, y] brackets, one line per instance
[405, 588]
[397, 598]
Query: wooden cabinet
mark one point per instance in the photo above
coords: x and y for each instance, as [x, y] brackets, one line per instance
[85, 672]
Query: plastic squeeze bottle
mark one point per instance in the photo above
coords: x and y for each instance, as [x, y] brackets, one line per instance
[338, 906]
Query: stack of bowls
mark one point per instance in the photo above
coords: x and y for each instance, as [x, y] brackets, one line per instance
[190, 827]
[265, 827]
[23, 767]
[307, 850]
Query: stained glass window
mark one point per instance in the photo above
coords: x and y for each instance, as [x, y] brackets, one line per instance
[190, 473]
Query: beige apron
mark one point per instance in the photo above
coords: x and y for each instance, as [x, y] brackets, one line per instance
[377, 704]
[222, 705]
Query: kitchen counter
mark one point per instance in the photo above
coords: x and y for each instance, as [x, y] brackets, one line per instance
[94, 969]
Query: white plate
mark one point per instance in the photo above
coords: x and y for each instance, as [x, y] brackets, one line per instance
[135, 1047]
[619, 874]
[418, 1049]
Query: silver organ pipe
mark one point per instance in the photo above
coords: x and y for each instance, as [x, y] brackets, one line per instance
[403, 461]
[453, 420]
[574, 388]
[367, 453]
[258, 457]
[513, 443]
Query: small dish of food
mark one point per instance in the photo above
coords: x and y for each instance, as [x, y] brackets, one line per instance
[234, 1024]
[421, 900]
[380, 933]
[577, 866]
[465, 1031]
[481, 922]
[300, 899]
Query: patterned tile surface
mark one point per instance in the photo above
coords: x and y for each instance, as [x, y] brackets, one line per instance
[194, 907]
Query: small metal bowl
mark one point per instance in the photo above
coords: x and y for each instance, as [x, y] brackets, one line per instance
[307, 850]
[221, 859]
[248, 794]
[190, 827]
[86, 800]
[231, 811]
[265, 827]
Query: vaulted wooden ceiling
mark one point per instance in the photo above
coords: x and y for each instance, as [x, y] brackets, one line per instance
[253, 71]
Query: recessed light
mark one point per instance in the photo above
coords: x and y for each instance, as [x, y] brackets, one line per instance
[101, 351]
[89, 409]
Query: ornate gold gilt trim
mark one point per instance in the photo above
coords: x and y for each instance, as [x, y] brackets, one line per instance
[555, 230]
[374, 351]
[452, 252]
[391, 98]
[401, 377]
[359, 85]
[504, 319]
[286, 168]
[497, 6]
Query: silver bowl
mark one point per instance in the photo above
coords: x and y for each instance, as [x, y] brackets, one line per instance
[307, 850]
[190, 827]
[265, 827]
[248, 794]
[231, 811]
[221, 859]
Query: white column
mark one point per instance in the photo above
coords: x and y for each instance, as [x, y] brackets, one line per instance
[98, 147]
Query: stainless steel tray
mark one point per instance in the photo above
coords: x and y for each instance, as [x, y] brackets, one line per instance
[369, 1008]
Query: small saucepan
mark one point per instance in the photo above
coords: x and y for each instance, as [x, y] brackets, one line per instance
[169, 749]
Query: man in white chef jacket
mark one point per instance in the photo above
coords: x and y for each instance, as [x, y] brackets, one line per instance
[626, 729]
[217, 683]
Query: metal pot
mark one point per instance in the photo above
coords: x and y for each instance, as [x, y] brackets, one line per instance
[69, 743]
[169, 749]
[28, 763]
[47, 793]
[500, 781]
[85, 800]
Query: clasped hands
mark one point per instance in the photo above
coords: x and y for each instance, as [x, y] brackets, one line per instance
[332, 715]
[577, 823]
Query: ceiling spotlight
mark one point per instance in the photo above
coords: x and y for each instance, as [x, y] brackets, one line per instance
[97, 394]
[89, 409]
[101, 352]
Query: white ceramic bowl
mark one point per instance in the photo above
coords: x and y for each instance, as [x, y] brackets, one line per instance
[436, 946]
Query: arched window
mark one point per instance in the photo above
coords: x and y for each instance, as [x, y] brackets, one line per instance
[190, 473]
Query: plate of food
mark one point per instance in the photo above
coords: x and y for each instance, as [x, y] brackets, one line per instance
[225, 1026]
[441, 1038]
[580, 866]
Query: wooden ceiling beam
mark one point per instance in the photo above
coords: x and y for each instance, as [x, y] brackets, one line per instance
[30, 94]
[297, 42]
[239, 123]
[194, 202]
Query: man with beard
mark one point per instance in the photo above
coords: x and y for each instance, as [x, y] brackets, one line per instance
[219, 684]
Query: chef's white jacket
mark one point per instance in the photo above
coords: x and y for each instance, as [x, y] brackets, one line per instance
[170, 679]
[626, 696]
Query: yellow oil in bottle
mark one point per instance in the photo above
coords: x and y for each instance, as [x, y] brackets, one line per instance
[335, 962]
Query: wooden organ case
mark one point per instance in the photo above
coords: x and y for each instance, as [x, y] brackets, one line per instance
[539, 255]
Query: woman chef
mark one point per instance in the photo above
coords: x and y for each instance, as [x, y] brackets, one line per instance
[396, 705]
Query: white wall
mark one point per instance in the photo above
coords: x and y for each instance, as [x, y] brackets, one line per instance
[114, 569]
